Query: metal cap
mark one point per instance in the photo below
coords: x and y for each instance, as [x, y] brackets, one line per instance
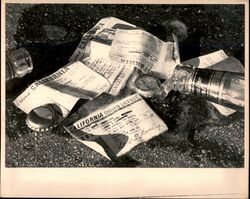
[42, 118]
[146, 85]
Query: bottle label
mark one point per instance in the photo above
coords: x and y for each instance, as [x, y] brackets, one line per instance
[206, 83]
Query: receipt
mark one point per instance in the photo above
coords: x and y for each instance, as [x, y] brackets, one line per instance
[102, 32]
[105, 67]
[115, 72]
[64, 88]
[121, 126]
[145, 51]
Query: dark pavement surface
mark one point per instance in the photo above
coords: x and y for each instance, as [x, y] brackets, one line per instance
[198, 136]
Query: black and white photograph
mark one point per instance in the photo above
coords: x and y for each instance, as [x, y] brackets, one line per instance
[123, 85]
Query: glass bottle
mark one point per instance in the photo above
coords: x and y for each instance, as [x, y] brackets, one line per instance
[221, 87]
[18, 63]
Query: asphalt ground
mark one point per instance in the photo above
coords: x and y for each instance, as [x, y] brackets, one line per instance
[198, 137]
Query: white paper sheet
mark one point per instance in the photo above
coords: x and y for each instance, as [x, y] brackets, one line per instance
[64, 88]
[103, 31]
[145, 51]
[121, 126]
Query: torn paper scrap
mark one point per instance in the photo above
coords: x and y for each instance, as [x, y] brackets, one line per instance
[95, 53]
[64, 88]
[144, 50]
[102, 32]
[115, 72]
[120, 126]
[176, 49]
[105, 67]
[121, 80]
[207, 60]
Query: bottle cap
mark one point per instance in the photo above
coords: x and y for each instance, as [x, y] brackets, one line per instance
[42, 118]
[146, 85]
